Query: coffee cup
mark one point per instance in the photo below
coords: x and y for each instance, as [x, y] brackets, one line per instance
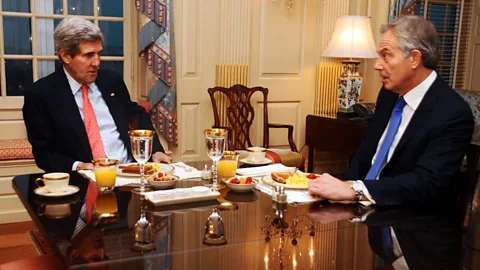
[54, 182]
[256, 154]
[54, 210]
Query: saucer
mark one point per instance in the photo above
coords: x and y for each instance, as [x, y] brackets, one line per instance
[42, 191]
[263, 162]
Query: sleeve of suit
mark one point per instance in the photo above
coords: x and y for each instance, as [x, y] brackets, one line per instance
[40, 134]
[431, 177]
[144, 120]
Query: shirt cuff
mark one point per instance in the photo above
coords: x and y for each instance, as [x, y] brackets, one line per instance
[75, 165]
[366, 194]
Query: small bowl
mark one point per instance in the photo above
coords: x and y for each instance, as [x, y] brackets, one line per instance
[164, 184]
[200, 190]
[181, 192]
[241, 187]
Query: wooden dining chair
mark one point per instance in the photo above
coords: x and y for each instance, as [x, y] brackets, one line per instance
[240, 114]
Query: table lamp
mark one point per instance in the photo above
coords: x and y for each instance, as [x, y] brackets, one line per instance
[352, 38]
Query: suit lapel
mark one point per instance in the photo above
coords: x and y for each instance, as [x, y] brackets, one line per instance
[70, 109]
[421, 114]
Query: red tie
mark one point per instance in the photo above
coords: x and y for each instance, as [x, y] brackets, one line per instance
[96, 145]
[91, 126]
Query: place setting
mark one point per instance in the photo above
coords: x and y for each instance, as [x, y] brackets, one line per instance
[255, 156]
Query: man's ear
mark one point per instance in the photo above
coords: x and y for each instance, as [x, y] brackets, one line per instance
[416, 58]
[66, 58]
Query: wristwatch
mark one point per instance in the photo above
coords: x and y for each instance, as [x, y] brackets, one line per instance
[358, 188]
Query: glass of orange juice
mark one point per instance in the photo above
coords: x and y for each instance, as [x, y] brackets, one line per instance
[227, 165]
[105, 173]
[107, 208]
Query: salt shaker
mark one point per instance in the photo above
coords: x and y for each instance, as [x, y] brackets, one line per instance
[282, 196]
[275, 193]
[205, 173]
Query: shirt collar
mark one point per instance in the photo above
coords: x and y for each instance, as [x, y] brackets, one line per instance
[74, 85]
[415, 96]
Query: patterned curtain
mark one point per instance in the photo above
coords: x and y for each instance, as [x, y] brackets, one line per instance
[157, 47]
[401, 7]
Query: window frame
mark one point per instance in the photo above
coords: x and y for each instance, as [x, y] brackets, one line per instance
[129, 58]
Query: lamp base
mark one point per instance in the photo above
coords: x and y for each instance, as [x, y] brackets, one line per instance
[349, 85]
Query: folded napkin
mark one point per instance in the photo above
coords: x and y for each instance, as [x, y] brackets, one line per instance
[120, 181]
[264, 170]
[294, 196]
[184, 171]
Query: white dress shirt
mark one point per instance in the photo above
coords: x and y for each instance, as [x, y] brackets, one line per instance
[113, 144]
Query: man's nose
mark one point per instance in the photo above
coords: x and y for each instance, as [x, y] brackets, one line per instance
[96, 61]
[378, 65]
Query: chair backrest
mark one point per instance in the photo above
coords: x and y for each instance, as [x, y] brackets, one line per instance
[239, 113]
[473, 100]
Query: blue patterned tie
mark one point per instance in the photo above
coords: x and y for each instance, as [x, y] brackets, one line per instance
[395, 120]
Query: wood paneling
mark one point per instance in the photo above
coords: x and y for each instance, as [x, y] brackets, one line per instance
[191, 136]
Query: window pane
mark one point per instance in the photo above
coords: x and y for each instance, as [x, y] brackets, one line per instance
[16, 5]
[110, 8]
[46, 67]
[17, 35]
[49, 7]
[19, 75]
[80, 7]
[116, 66]
[45, 28]
[113, 34]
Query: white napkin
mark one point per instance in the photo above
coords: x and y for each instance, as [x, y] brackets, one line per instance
[264, 170]
[183, 174]
[293, 195]
[120, 181]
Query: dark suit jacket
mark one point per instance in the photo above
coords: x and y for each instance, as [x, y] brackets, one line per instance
[54, 125]
[427, 156]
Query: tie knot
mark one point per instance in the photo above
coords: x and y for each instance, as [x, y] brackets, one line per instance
[399, 104]
[84, 88]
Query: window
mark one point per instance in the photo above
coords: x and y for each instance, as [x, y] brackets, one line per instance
[27, 52]
[452, 18]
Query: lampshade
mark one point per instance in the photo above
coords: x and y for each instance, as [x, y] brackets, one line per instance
[352, 38]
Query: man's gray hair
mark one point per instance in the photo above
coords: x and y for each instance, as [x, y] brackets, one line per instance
[416, 33]
[71, 31]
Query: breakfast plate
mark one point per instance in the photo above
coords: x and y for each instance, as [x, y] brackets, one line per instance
[133, 169]
[42, 191]
[262, 162]
[267, 179]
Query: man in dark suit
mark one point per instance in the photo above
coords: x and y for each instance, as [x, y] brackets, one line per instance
[80, 113]
[419, 133]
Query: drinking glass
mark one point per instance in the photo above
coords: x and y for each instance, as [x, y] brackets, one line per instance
[105, 170]
[141, 141]
[215, 143]
[227, 165]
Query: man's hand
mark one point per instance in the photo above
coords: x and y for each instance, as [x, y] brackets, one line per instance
[329, 187]
[161, 157]
[332, 212]
[84, 166]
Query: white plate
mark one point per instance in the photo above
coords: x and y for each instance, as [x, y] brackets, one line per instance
[267, 179]
[241, 187]
[264, 162]
[42, 191]
[165, 169]
[174, 196]
[163, 184]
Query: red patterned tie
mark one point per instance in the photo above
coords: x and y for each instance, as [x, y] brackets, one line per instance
[91, 126]
[96, 145]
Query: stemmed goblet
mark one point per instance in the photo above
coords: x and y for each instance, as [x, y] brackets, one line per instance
[141, 141]
[215, 143]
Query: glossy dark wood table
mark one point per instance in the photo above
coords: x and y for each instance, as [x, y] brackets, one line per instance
[322, 238]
